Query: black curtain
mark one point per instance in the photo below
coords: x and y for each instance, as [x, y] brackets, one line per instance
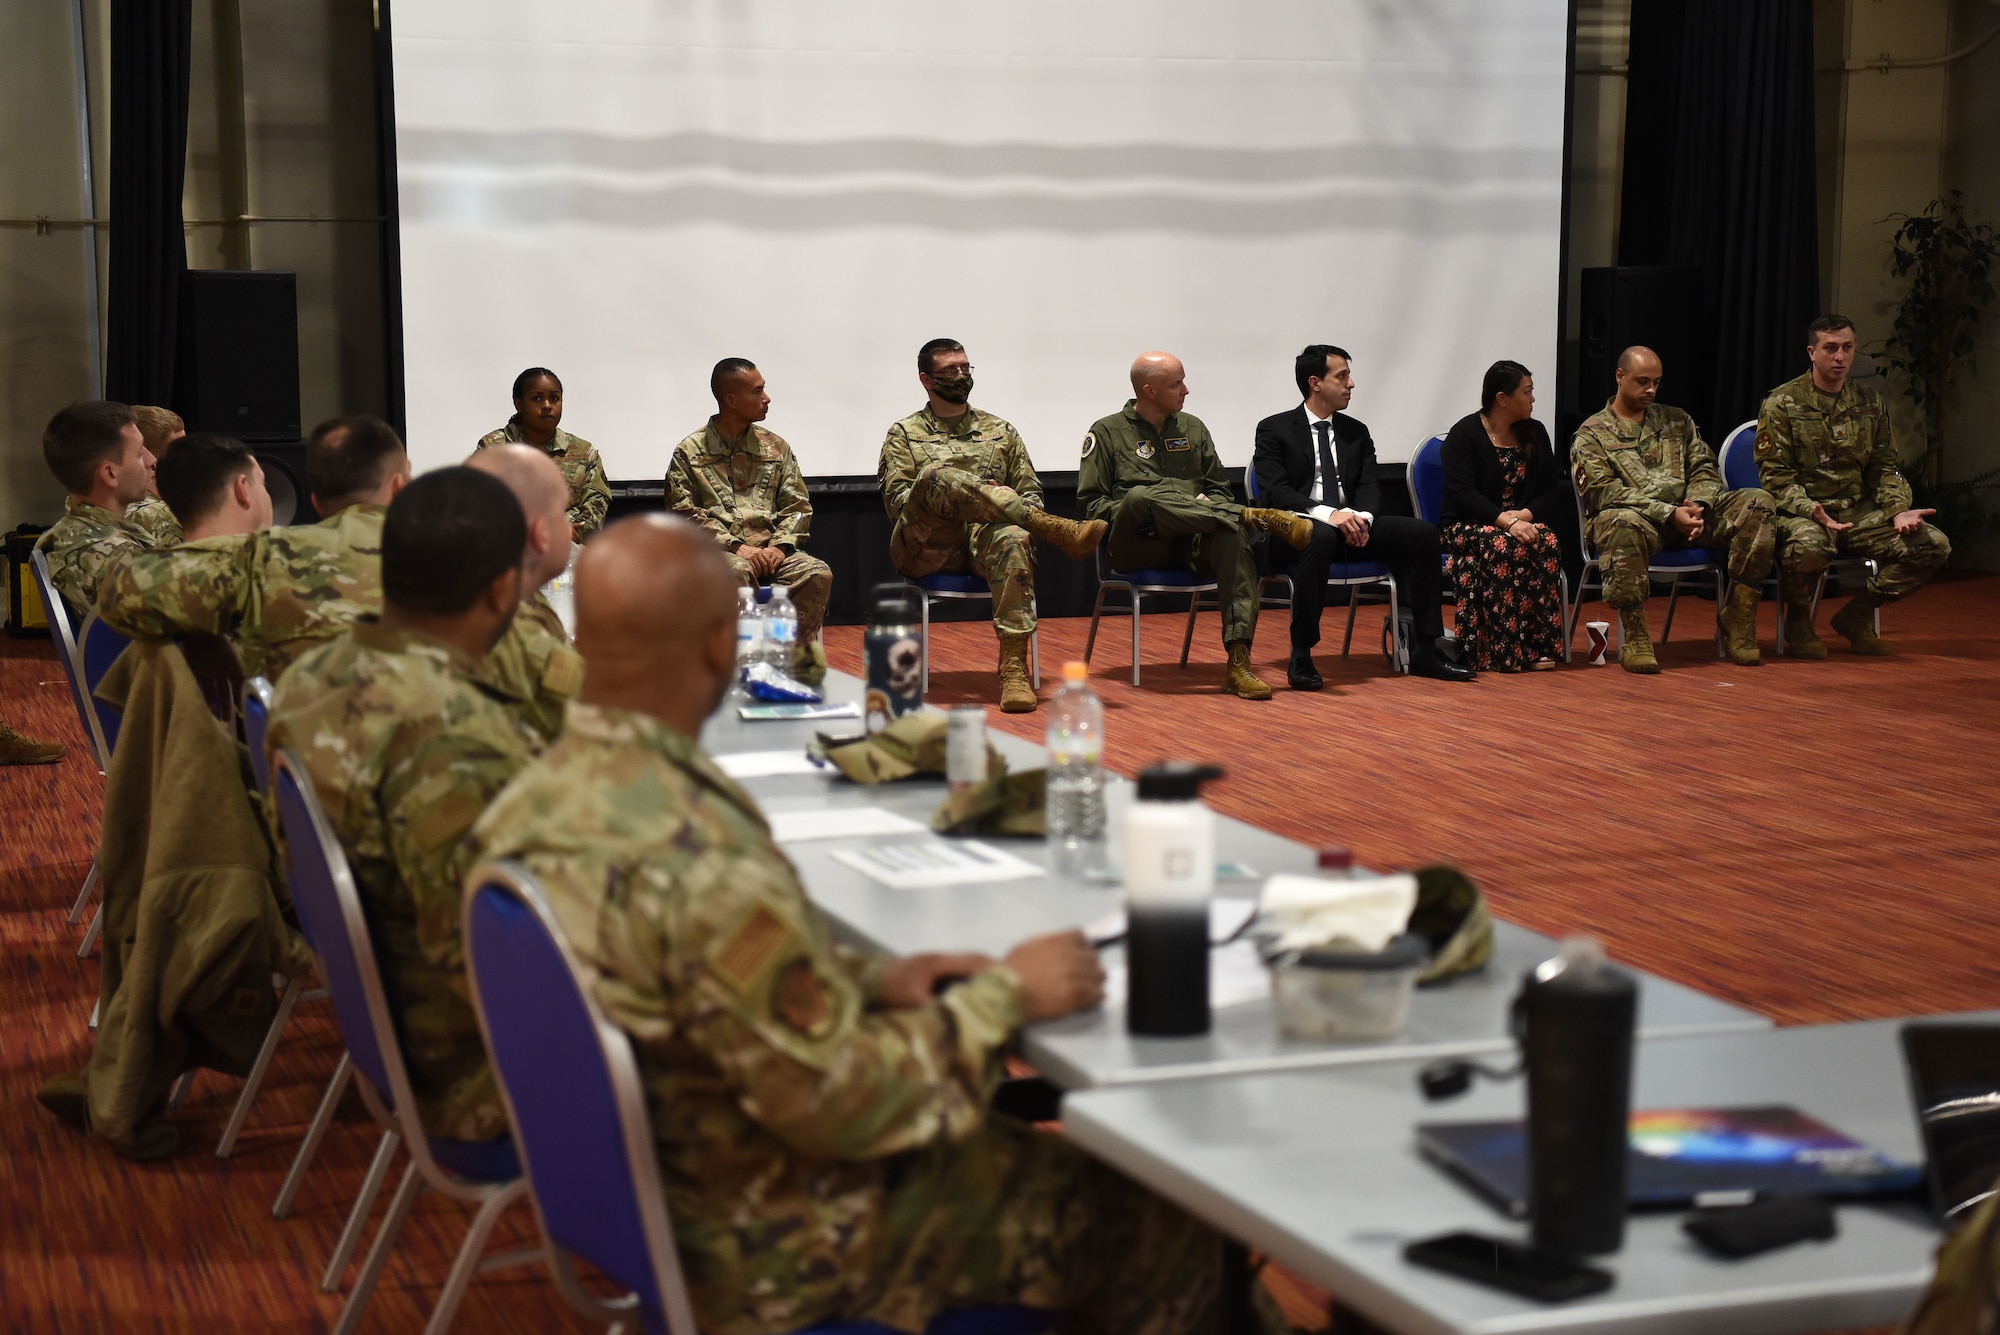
[1718, 174]
[149, 117]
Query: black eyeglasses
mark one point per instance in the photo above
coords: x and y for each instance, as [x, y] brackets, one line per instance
[947, 370]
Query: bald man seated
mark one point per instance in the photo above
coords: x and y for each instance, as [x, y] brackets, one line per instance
[1152, 471]
[1649, 483]
[821, 1115]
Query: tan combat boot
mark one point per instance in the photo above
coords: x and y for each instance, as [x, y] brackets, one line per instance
[1636, 653]
[1801, 640]
[1240, 680]
[1017, 691]
[809, 662]
[1074, 539]
[18, 750]
[1738, 619]
[1295, 530]
[1857, 622]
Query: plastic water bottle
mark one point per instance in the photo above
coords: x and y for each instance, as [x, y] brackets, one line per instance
[781, 628]
[1076, 771]
[749, 629]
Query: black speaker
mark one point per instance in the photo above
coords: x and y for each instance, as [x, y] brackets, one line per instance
[236, 369]
[1659, 307]
[285, 478]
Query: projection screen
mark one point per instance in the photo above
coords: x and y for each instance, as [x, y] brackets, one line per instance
[628, 190]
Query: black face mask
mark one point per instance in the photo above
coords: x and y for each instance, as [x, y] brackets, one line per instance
[952, 388]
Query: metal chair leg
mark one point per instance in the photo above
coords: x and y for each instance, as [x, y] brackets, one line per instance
[83, 952]
[255, 1081]
[1721, 601]
[177, 1092]
[1673, 597]
[1194, 608]
[467, 1263]
[357, 1217]
[923, 594]
[1096, 610]
[1135, 637]
[83, 895]
[1353, 604]
[315, 1133]
[1569, 623]
[1399, 659]
[392, 1224]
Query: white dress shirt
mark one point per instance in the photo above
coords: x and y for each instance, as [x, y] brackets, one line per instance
[1321, 511]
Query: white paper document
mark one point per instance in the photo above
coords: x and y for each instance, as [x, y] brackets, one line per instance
[1236, 975]
[791, 827]
[930, 863]
[1226, 917]
[767, 764]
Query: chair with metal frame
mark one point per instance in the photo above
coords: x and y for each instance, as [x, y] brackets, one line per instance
[1667, 565]
[86, 716]
[482, 1173]
[97, 648]
[957, 586]
[1138, 585]
[574, 1098]
[1352, 576]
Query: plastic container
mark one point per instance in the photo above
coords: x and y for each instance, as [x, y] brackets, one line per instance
[749, 630]
[781, 628]
[1075, 803]
[1341, 994]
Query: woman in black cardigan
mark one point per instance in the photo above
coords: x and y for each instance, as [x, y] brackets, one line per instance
[1501, 488]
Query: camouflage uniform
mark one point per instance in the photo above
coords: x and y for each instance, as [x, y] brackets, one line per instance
[151, 513]
[750, 493]
[823, 1159]
[957, 490]
[280, 592]
[405, 747]
[1837, 450]
[589, 493]
[1632, 476]
[1145, 480]
[85, 546]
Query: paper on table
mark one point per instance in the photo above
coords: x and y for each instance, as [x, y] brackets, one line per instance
[791, 827]
[1226, 917]
[927, 864]
[827, 709]
[767, 764]
[1236, 976]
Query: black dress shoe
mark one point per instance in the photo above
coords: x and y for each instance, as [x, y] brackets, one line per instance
[1302, 675]
[1437, 668]
[1448, 649]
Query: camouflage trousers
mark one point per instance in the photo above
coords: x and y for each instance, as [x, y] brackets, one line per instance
[807, 579]
[1740, 523]
[1164, 527]
[1017, 1216]
[1903, 561]
[956, 521]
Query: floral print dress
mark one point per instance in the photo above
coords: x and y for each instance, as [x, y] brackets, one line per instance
[1509, 602]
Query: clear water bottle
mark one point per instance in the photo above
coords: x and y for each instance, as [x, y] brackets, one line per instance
[1076, 771]
[781, 628]
[749, 629]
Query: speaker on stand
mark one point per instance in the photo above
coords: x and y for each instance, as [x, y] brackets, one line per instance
[236, 371]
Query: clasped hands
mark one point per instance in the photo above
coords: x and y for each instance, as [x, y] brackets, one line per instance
[1351, 525]
[1688, 520]
[1060, 973]
[763, 561]
[1513, 521]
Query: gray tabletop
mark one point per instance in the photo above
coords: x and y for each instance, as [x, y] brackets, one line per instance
[1468, 1015]
[1320, 1170]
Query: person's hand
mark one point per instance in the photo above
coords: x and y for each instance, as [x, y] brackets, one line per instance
[1687, 518]
[1351, 527]
[1525, 529]
[1828, 522]
[1909, 521]
[763, 561]
[1506, 520]
[1201, 495]
[912, 981]
[1059, 973]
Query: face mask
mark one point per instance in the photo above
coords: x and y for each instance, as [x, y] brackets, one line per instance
[952, 388]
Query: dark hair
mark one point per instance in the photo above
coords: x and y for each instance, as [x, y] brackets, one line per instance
[1310, 365]
[927, 354]
[350, 456]
[198, 471]
[1826, 324]
[728, 366]
[1502, 377]
[530, 376]
[81, 437]
[448, 536]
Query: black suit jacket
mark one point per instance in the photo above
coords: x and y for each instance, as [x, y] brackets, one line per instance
[1284, 457]
[1472, 477]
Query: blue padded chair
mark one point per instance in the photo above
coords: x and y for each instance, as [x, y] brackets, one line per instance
[1349, 575]
[97, 648]
[1738, 465]
[951, 586]
[573, 1096]
[86, 717]
[1667, 565]
[1137, 585]
[485, 1174]
[256, 715]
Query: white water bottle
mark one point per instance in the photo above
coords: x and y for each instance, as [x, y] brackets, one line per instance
[781, 628]
[1075, 804]
[749, 629]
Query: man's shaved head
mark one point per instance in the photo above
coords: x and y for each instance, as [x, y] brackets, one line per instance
[538, 485]
[1637, 379]
[1155, 368]
[1159, 386]
[1631, 358]
[656, 619]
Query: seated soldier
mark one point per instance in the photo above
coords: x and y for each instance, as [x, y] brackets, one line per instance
[963, 495]
[820, 1114]
[534, 660]
[159, 427]
[741, 482]
[1828, 457]
[1649, 481]
[537, 421]
[1153, 472]
[95, 450]
[405, 746]
[215, 487]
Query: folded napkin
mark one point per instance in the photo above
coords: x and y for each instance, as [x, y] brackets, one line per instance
[1362, 912]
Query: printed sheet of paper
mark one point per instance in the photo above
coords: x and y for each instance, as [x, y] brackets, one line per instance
[791, 827]
[1236, 975]
[931, 863]
[767, 764]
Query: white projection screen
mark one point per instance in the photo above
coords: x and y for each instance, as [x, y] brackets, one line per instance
[628, 190]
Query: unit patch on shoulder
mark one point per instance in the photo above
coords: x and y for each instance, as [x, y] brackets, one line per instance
[1089, 443]
[1176, 445]
[1145, 450]
[749, 951]
[801, 1000]
[564, 674]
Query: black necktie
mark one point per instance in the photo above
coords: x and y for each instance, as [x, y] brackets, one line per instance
[1329, 485]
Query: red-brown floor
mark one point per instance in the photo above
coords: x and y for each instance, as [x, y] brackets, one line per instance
[1815, 841]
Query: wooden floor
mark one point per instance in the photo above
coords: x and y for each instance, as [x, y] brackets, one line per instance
[1814, 841]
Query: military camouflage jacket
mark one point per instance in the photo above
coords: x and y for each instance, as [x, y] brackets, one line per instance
[405, 748]
[1653, 465]
[84, 547]
[781, 1098]
[151, 513]
[975, 441]
[1124, 451]
[1835, 450]
[589, 493]
[747, 491]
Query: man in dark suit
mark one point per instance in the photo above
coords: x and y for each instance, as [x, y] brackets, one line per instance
[1315, 460]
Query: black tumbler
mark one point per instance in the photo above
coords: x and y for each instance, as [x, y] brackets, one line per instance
[894, 648]
[1576, 1016]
